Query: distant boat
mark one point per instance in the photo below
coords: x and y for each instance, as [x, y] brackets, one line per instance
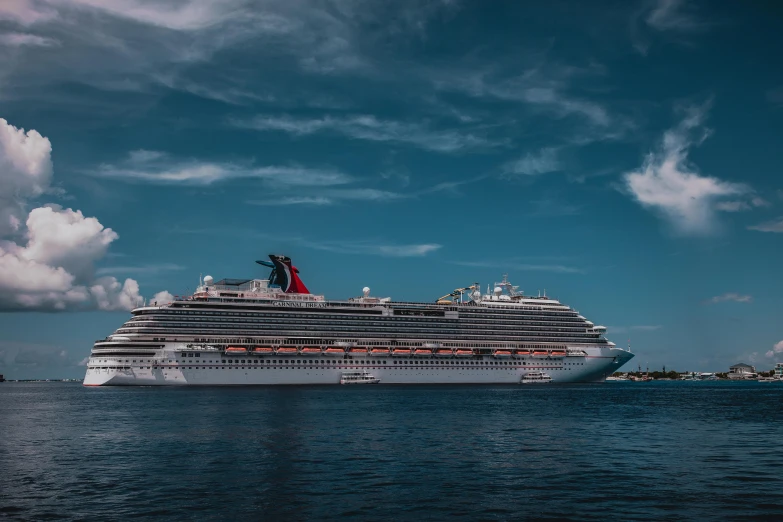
[536, 378]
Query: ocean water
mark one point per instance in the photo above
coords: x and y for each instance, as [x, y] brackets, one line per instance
[627, 451]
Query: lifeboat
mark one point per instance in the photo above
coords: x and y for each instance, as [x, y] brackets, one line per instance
[359, 351]
[502, 353]
[334, 351]
[379, 351]
[422, 352]
[236, 350]
[262, 350]
[401, 351]
[558, 354]
[540, 353]
[443, 353]
[464, 353]
[311, 350]
[286, 350]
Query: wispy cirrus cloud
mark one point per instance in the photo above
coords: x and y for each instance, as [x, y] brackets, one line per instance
[150, 269]
[369, 128]
[144, 166]
[775, 226]
[668, 184]
[634, 328]
[674, 15]
[521, 266]
[546, 87]
[534, 163]
[730, 297]
[26, 39]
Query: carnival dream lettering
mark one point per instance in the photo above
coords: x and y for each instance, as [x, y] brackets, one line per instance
[300, 305]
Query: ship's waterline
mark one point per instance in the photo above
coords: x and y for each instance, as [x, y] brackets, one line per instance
[273, 331]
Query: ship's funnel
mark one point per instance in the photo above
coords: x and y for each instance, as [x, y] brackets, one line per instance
[286, 275]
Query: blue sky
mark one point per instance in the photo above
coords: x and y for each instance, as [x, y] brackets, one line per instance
[624, 157]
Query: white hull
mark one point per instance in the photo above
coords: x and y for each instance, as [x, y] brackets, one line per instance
[169, 368]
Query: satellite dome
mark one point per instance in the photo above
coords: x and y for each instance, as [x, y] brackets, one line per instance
[366, 291]
[498, 290]
[208, 280]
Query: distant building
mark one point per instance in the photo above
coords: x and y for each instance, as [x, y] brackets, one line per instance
[779, 370]
[742, 371]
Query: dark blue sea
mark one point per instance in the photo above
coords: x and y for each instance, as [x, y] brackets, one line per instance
[627, 451]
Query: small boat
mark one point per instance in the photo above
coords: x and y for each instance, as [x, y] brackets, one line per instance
[311, 350]
[360, 377]
[540, 353]
[359, 351]
[397, 352]
[236, 350]
[503, 353]
[262, 350]
[286, 350]
[334, 351]
[558, 354]
[443, 353]
[422, 352]
[379, 351]
[464, 353]
[535, 378]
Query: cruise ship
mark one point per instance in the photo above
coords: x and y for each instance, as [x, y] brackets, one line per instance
[274, 331]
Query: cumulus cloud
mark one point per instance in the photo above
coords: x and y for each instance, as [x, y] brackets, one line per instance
[731, 296]
[47, 258]
[668, 184]
[776, 350]
[25, 172]
[776, 225]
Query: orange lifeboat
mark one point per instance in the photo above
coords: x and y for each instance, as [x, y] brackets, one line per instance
[286, 350]
[236, 350]
[379, 351]
[262, 350]
[422, 352]
[540, 353]
[502, 353]
[401, 351]
[464, 353]
[558, 354]
[359, 351]
[334, 351]
[443, 352]
[311, 350]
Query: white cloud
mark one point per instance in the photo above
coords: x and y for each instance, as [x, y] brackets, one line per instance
[157, 167]
[367, 247]
[777, 349]
[776, 225]
[23, 39]
[544, 87]
[731, 296]
[634, 328]
[49, 263]
[733, 206]
[668, 184]
[293, 200]
[531, 164]
[142, 269]
[25, 12]
[523, 267]
[25, 172]
[162, 298]
[370, 128]
[673, 15]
